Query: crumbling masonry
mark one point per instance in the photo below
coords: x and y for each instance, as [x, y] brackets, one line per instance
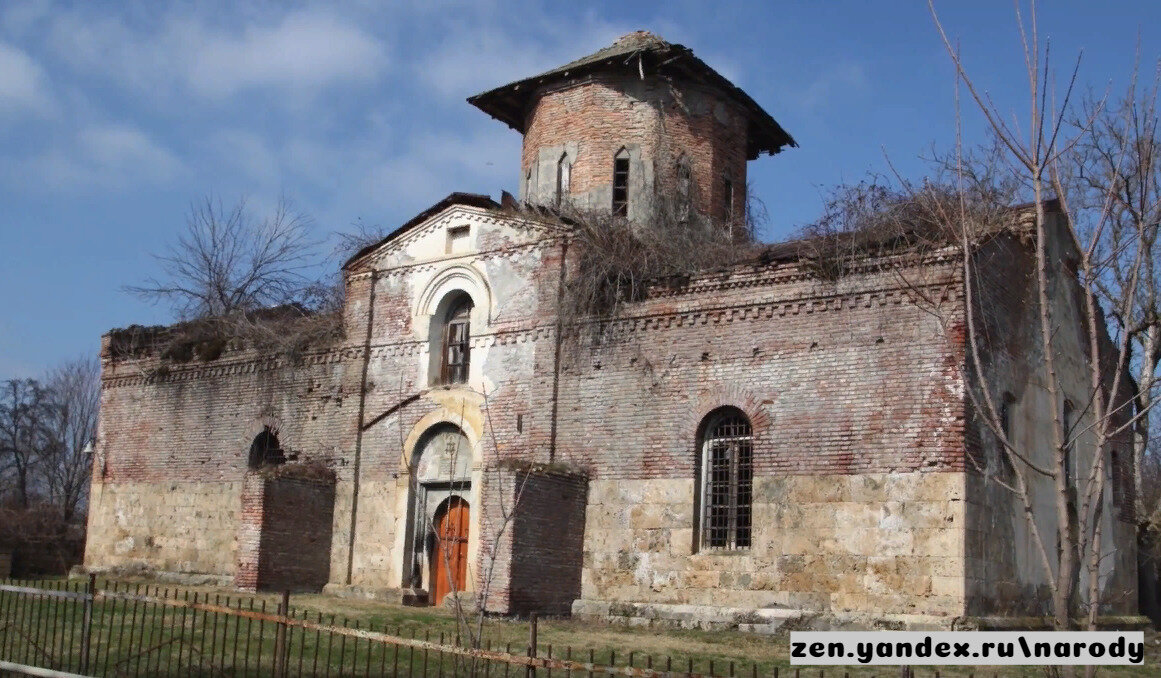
[750, 446]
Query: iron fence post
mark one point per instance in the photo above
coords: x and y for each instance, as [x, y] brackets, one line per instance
[280, 636]
[531, 643]
[87, 623]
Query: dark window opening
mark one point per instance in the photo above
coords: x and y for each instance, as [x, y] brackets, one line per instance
[684, 189]
[1068, 446]
[1115, 478]
[563, 178]
[1006, 429]
[457, 343]
[266, 450]
[727, 482]
[621, 186]
[728, 200]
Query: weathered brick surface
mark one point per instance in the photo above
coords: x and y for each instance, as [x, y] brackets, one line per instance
[284, 533]
[865, 498]
[660, 123]
[533, 540]
[1004, 573]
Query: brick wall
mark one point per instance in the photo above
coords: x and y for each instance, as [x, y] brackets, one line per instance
[284, 532]
[1004, 572]
[853, 387]
[533, 533]
[658, 122]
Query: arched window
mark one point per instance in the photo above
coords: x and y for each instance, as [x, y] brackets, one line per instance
[728, 199]
[266, 450]
[563, 177]
[727, 480]
[621, 183]
[684, 188]
[456, 352]
[1007, 401]
[1069, 448]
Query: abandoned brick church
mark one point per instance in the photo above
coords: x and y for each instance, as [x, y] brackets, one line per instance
[754, 445]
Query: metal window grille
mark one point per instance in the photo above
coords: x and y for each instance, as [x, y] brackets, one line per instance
[727, 472]
[621, 186]
[456, 345]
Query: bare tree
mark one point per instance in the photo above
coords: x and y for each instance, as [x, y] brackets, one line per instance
[1117, 169]
[1084, 426]
[228, 261]
[25, 411]
[65, 465]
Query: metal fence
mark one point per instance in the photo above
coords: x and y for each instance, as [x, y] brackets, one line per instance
[144, 630]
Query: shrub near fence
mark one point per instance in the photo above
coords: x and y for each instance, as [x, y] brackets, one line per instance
[140, 630]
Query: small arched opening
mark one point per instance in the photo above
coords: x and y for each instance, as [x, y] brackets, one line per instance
[266, 450]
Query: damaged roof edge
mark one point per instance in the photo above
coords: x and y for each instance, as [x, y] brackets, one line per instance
[457, 198]
[509, 103]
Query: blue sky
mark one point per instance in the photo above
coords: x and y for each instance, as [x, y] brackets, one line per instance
[114, 116]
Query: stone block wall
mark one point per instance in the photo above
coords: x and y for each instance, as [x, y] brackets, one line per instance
[871, 544]
[284, 534]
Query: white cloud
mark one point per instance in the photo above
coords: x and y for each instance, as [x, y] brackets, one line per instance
[98, 158]
[302, 52]
[23, 85]
[481, 52]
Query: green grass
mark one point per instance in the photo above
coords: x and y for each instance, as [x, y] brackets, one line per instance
[147, 639]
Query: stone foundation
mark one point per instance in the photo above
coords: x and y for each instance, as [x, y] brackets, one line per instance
[183, 527]
[887, 545]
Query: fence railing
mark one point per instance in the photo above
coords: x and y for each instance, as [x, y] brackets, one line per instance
[126, 629]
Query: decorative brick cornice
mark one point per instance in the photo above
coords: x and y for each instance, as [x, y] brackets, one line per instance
[153, 371]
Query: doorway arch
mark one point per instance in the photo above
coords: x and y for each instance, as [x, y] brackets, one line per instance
[440, 486]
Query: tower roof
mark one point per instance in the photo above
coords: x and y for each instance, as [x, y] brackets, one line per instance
[638, 53]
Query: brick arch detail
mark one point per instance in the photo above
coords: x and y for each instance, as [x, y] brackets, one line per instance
[732, 396]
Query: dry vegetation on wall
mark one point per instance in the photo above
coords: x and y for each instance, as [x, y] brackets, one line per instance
[312, 471]
[288, 331]
[874, 219]
[615, 261]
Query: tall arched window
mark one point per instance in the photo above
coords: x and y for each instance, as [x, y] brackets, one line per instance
[563, 177]
[684, 188]
[266, 450]
[1069, 447]
[621, 183]
[727, 480]
[456, 353]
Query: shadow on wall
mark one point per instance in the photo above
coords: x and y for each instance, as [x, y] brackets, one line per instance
[284, 535]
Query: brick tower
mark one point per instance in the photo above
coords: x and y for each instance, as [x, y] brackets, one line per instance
[632, 124]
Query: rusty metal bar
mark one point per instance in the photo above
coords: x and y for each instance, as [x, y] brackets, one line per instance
[36, 670]
[261, 616]
[53, 618]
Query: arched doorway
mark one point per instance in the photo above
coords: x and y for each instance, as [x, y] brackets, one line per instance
[436, 544]
[449, 566]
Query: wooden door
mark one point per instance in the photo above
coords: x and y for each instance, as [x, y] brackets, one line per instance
[449, 567]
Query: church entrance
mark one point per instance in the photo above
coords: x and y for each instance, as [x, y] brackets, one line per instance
[449, 565]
